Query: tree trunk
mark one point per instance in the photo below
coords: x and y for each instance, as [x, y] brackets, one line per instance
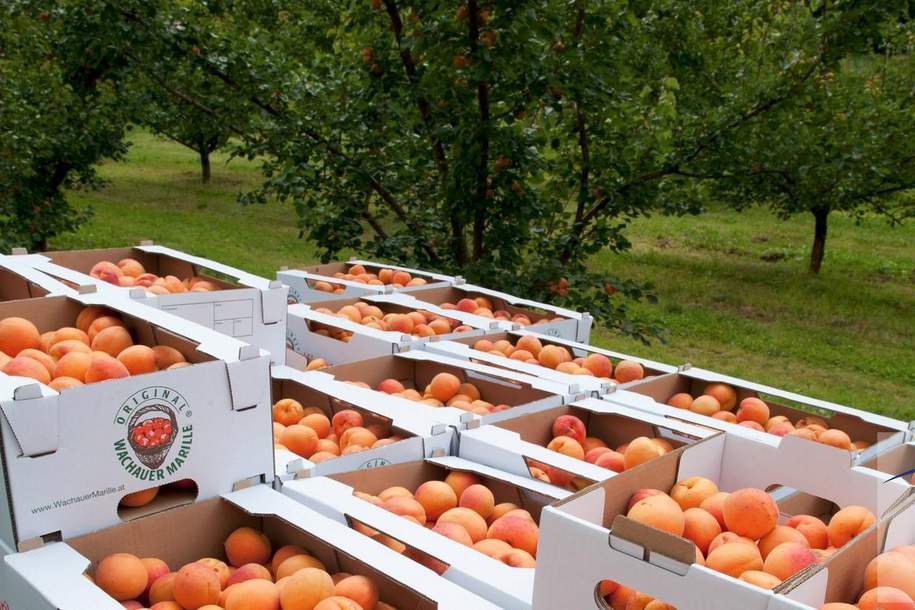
[819, 239]
[205, 164]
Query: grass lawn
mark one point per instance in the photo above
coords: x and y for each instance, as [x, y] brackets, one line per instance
[733, 287]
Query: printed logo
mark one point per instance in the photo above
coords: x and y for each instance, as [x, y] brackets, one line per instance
[552, 332]
[292, 341]
[374, 463]
[155, 433]
[293, 297]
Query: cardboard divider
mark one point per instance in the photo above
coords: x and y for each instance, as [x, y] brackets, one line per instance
[69, 457]
[415, 369]
[420, 436]
[505, 586]
[301, 281]
[514, 445]
[247, 307]
[593, 523]
[20, 281]
[545, 318]
[198, 531]
[653, 394]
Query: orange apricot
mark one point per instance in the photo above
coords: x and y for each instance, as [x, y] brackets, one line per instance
[692, 492]
[753, 409]
[891, 569]
[299, 439]
[705, 405]
[714, 505]
[628, 370]
[700, 527]
[848, 523]
[122, 576]
[196, 585]
[306, 589]
[22, 366]
[886, 598]
[138, 359]
[479, 499]
[734, 558]
[780, 535]
[288, 411]
[813, 529]
[750, 512]
[659, 511]
[247, 545]
[17, 334]
[443, 386]
[723, 393]
[760, 579]
[788, 558]
[470, 520]
[167, 356]
[518, 532]
[436, 498]
[681, 400]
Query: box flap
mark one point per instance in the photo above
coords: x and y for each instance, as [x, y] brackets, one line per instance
[31, 411]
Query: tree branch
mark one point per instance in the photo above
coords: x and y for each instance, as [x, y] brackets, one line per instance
[479, 214]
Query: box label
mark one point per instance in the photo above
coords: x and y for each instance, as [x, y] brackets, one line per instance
[154, 433]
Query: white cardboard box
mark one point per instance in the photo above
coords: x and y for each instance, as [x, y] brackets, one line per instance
[365, 342]
[573, 325]
[415, 369]
[422, 436]
[249, 308]
[67, 457]
[509, 445]
[301, 281]
[18, 281]
[652, 395]
[591, 526]
[462, 347]
[51, 577]
[505, 586]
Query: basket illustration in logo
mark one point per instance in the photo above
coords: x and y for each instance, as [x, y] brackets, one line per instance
[152, 431]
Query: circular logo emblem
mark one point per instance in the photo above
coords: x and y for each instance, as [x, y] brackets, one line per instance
[155, 433]
[374, 463]
[291, 342]
[293, 297]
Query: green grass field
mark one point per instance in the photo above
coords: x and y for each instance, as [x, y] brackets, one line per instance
[734, 292]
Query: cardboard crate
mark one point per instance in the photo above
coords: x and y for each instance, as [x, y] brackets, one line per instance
[462, 347]
[52, 577]
[592, 528]
[247, 307]
[415, 369]
[305, 325]
[652, 395]
[421, 436]
[491, 579]
[302, 282]
[68, 458]
[516, 444]
[553, 321]
[895, 462]
[18, 281]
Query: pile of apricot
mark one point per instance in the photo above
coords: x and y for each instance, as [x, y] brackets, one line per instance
[308, 432]
[96, 348]
[738, 533]
[418, 323]
[719, 400]
[889, 582]
[129, 272]
[482, 306]
[445, 390]
[531, 350]
[252, 577]
[358, 273]
[464, 510]
[570, 438]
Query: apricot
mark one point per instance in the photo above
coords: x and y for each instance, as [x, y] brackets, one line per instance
[256, 594]
[518, 532]
[599, 365]
[101, 323]
[551, 356]
[516, 558]
[17, 334]
[436, 498]
[812, 528]
[64, 348]
[288, 412]
[122, 576]
[700, 527]
[390, 386]
[306, 589]
[781, 429]
[219, 567]
[138, 359]
[39, 356]
[170, 605]
[886, 598]
[469, 519]
[530, 343]
[359, 589]
[734, 558]
[196, 585]
[611, 460]
[161, 590]
[357, 436]
[492, 547]
[641, 494]
[641, 450]
[714, 505]
[692, 492]
[838, 606]
[891, 570]
[299, 439]
[22, 366]
[453, 531]
[836, 438]
[317, 422]
[725, 416]
[247, 545]
[479, 499]
[131, 267]
[346, 419]
[405, 507]
[788, 558]
[393, 492]
[283, 553]
[64, 383]
[567, 446]
[500, 510]
[167, 356]
[681, 400]
[780, 535]
[848, 523]
[628, 370]
[753, 409]
[140, 498]
[297, 562]
[571, 426]
[112, 340]
[659, 511]
[249, 571]
[750, 512]
[760, 579]
[443, 386]
[338, 602]
[727, 537]
[705, 405]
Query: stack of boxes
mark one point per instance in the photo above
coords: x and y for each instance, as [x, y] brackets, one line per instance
[219, 462]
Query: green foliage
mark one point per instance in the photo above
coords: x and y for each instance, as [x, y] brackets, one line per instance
[60, 114]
